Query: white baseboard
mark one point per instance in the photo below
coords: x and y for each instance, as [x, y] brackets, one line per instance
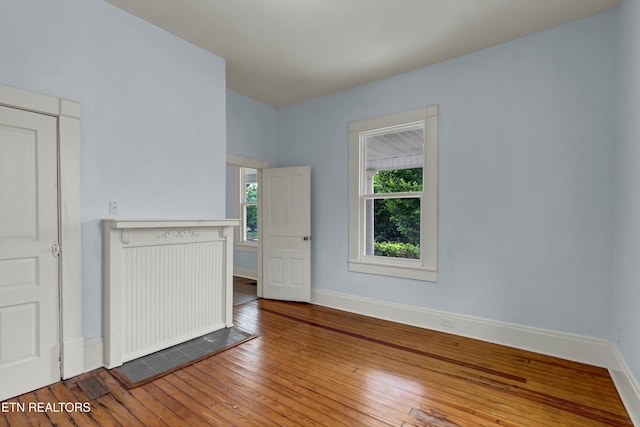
[72, 361]
[627, 385]
[93, 354]
[245, 272]
[579, 348]
[593, 351]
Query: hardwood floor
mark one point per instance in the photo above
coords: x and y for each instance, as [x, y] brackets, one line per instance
[244, 290]
[314, 366]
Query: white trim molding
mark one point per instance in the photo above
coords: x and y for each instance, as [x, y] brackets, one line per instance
[627, 385]
[241, 242]
[579, 348]
[93, 354]
[246, 162]
[247, 273]
[259, 165]
[70, 218]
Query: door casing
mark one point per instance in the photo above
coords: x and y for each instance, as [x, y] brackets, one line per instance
[259, 165]
[67, 114]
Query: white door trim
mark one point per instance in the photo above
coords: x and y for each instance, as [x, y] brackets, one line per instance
[70, 219]
[259, 165]
[246, 162]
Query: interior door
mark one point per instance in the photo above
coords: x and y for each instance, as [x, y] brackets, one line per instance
[286, 222]
[29, 313]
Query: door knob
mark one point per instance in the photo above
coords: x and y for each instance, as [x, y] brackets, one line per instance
[305, 238]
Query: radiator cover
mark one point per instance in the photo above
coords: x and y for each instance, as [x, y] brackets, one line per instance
[165, 282]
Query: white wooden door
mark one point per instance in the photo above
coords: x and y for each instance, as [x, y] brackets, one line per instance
[29, 313]
[286, 233]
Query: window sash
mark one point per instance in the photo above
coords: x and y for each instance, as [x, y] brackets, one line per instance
[244, 240]
[364, 223]
[367, 194]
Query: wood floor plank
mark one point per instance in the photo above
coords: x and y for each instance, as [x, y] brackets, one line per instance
[207, 410]
[13, 413]
[315, 366]
[379, 399]
[341, 408]
[466, 350]
[62, 393]
[228, 411]
[552, 401]
[35, 417]
[45, 395]
[210, 384]
[128, 400]
[313, 410]
[255, 387]
[341, 375]
[99, 413]
[160, 411]
[183, 412]
[381, 393]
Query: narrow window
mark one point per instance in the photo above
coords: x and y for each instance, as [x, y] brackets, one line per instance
[393, 195]
[249, 205]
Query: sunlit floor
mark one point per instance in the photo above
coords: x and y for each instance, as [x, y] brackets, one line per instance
[314, 366]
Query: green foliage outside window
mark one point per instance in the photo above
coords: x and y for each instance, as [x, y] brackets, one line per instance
[251, 211]
[397, 221]
[251, 192]
[396, 249]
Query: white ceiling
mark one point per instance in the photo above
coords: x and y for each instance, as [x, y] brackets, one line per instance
[280, 52]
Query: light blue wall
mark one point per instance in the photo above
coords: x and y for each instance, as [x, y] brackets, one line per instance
[251, 128]
[153, 131]
[525, 179]
[251, 132]
[626, 259]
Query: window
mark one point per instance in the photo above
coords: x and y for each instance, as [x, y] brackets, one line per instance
[248, 205]
[243, 178]
[393, 195]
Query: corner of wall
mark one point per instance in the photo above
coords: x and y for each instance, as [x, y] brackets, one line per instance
[627, 385]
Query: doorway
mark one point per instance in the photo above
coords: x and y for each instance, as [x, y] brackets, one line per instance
[278, 255]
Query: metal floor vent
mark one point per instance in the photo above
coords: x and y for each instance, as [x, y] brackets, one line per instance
[92, 387]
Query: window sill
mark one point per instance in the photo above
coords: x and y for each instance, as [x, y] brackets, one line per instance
[246, 248]
[403, 271]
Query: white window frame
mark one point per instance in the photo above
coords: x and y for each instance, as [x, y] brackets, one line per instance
[259, 165]
[242, 203]
[426, 267]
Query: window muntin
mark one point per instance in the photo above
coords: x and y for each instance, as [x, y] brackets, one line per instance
[393, 195]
